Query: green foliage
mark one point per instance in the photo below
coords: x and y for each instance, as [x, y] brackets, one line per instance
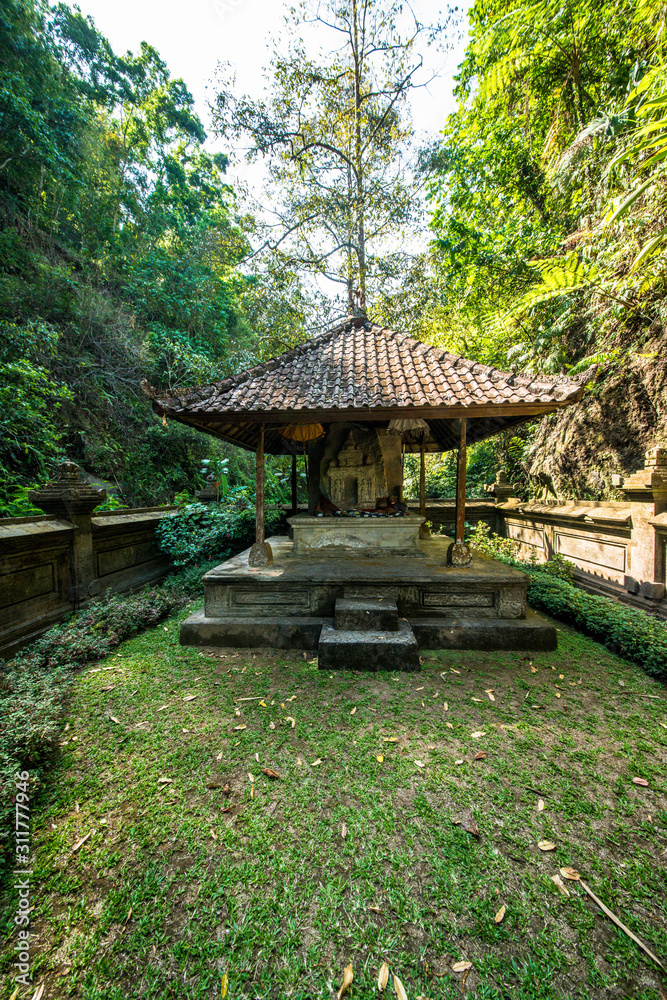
[17, 503]
[188, 582]
[200, 532]
[441, 472]
[547, 190]
[120, 246]
[627, 631]
[30, 437]
[35, 682]
[484, 541]
[111, 503]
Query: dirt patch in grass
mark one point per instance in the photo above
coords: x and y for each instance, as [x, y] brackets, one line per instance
[353, 855]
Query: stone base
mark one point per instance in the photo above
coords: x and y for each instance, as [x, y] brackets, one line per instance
[286, 605]
[243, 633]
[345, 649]
[532, 633]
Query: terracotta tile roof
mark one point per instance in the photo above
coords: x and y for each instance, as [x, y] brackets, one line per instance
[360, 366]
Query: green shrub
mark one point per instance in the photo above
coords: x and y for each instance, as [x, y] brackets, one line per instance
[630, 632]
[188, 582]
[35, 682]
[199, 532]
[484, 541]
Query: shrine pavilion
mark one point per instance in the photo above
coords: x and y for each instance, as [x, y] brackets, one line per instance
[359, 578]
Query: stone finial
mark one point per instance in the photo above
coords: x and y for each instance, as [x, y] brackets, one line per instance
[67, 495]
[502, 489]
[656, 458]
[210, 492]
[650, 483]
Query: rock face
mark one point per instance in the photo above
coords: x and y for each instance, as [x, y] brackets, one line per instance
[578, 450]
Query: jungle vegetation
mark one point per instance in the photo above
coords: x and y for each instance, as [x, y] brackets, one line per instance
[535, 218]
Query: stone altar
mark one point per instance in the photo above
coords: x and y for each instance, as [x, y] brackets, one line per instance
[363, 536]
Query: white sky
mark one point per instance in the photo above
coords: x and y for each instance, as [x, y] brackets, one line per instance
[192, 37]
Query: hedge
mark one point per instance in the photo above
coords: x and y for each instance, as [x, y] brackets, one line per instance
[629, 632]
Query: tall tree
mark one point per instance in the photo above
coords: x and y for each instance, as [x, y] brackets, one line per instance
[335, 132]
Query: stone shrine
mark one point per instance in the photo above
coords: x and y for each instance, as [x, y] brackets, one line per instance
[355, 477]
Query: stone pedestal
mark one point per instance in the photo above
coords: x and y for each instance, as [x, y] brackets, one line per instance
[364, 536]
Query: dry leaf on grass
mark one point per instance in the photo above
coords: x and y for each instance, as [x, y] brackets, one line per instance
[492, 697]
[547, 845]
[446, 706]
[570, 873]
[81, 842]
[475, 699]
[213, 834]
[316, 762]
[348, 977]
[270, 773]
[449, 725]
[400, 989]
[165, 781]
[237, 728]
[500, 915]
[540, 805]
[461, 966]
[353, 712]
[480, 755]
[272, 725]
[420, 763]
[458, 761]
[39, 992]
[390, 739]
[468, 822]
[383, 976]
[479, 733]
[343, 831]
[114, 719]
[190, 697]
[224, 986]
[379, 758]
[288, 718]
[558, 882]
[640, 781]
[375, 909]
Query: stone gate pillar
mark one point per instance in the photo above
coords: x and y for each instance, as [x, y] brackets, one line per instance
[68, 497]
[646, 490]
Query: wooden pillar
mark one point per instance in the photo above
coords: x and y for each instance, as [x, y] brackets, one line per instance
[260, 553]
[424, 530]
[461, 485]
[422, 478]
[295, 503]
[459, 553]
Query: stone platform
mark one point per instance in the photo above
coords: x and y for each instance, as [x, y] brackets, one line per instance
[286, 605]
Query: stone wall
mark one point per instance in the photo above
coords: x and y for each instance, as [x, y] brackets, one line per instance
[55, 564]
[617, 548]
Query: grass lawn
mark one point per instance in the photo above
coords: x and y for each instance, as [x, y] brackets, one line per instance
[355, 854]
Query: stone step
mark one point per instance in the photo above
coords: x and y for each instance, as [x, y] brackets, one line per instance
[368, 649]
[363, 613]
